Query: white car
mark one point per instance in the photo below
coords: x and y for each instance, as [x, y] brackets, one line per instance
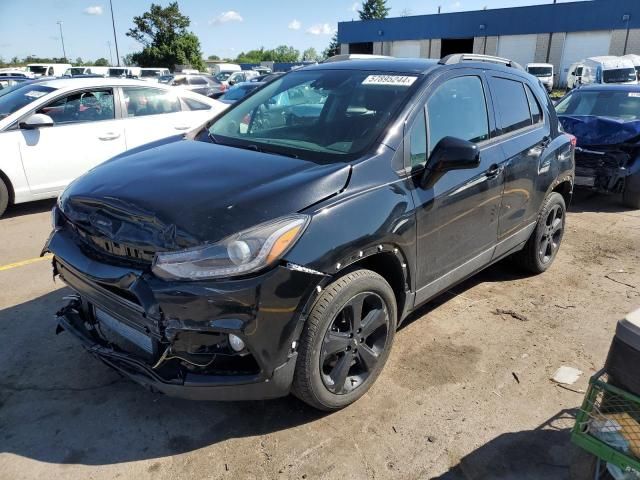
[53, 131]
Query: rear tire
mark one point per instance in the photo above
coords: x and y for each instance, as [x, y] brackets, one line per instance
[540, 250]
[631, 198]
[346, 341]
[4, 197]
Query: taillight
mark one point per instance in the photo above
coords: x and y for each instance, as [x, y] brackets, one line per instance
[572, 139]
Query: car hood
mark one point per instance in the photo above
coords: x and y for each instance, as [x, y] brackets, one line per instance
[179, 193]
[592, 131]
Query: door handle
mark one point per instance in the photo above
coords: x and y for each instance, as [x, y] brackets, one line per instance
[493, 171]
[109, 136]
[182, 127]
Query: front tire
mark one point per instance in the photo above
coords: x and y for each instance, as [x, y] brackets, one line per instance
[631, 198]
[542, 247]
[4, 197]
[346, 341]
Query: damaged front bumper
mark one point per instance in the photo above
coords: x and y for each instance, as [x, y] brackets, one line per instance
[173, 337]
[602, 170]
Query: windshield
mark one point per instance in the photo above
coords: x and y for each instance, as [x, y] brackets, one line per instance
[75, 71]
[238, 92]
[579, 71]
[222, 76]
[38, 69]
[540, 71]
[616, 104]
[150, 73]
[18, 96]
[318, 114]
[117, 72]
[619, 75]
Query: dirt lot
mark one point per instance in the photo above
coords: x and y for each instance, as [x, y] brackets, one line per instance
[448, 404]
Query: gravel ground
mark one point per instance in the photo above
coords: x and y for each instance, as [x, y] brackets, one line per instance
[465, 394]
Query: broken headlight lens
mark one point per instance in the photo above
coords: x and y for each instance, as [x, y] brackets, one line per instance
[239, 254]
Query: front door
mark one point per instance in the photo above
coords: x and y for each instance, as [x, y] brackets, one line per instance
[85, 133]
[457, 216]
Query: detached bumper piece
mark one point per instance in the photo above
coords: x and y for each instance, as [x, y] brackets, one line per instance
[174, 337]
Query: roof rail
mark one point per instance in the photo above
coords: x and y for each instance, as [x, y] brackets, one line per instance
[472, 57]
[353, 56]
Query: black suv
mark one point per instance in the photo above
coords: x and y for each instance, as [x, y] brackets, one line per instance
[278, 248]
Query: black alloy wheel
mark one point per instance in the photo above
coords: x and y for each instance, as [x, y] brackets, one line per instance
[352, 346]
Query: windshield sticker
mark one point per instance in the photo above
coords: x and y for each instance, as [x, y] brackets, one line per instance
[634, 94]
[34, 94]
[399, 80]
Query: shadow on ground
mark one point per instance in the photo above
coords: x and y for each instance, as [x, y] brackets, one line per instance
[588, 201]
[60, 405]
[542, 453]
[29, 208]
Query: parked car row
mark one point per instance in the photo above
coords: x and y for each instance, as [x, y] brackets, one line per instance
[54, 130]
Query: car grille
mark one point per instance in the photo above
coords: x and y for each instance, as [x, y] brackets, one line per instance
[594, 159]
[107, 246]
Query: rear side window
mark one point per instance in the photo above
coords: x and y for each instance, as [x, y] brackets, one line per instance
[141, 102]
[194, 104]
[534, 106]
[512, 104]
[197, 81]
[458, 109]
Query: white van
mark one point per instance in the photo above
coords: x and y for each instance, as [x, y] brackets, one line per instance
[152, 74]
[609, 69]
[127, 72]
[224, 67]
[48, 69]
[574, 75]
[544, 72]
[635, 59]
[75, 71]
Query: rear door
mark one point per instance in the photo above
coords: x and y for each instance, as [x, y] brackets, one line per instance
[524, 134]
[457, 217]
[86, 132]
[150, 114]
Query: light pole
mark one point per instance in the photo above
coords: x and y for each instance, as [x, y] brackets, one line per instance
[115, 39]
[64, 53]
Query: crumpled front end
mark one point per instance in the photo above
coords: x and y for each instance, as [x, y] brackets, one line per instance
[218, 340]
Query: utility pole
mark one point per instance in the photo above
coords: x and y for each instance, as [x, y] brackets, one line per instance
[115, 39]
[64, 53]
[110, 54]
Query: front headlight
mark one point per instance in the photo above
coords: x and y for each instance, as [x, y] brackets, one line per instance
[239, 254]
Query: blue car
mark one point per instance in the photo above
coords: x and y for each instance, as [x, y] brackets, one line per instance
[605, 119]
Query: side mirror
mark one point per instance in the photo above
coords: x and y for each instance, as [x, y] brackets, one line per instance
[232, 82]
[450, 153]
[35, 121]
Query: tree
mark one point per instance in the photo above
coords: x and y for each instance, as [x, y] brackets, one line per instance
[213, 57]
[165, 39]
[373, 9]
[333, 48]
[101, 62]
[128, 60]
[310, 55]
[79, 61]
[285, 53]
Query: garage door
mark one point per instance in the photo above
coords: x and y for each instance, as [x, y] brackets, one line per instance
[521, 48]
[581, 45]
[405, 49]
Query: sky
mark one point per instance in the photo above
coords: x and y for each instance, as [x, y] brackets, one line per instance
[224, 28]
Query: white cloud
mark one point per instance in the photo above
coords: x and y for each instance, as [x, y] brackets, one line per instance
[456, 5]
[295, 25]
[320, 29]
[226, 17]
[94, 10]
